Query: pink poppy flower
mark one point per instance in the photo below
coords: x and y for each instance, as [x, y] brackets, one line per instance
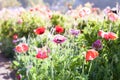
[59, 39]
[18, 49]
[15, 36]
[25, 47]
[21, 48]
[87, 10]
[112, 16]
[20, 21]
[84, 11]
[107, 10]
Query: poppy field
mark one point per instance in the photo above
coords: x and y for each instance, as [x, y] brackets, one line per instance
[80, 44]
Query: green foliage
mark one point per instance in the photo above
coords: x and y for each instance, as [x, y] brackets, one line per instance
[58, 19]
[10, 27]
[65, 61]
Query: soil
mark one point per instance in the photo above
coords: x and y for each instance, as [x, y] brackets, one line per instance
[5, 71]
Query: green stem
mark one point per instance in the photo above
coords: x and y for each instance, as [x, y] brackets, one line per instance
[110, 27]
[52, 70]
[90, 67]
[83, 67]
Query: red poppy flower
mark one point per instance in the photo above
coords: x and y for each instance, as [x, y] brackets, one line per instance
[39, 30]
[18, 49]
[59, 29]
[101, 33]
[91, 54]
[37, 9]
[15, 36]
[42, 53]
[112, 36]
[31, 9]
[106, 36]
[21, 48]
[25, 47]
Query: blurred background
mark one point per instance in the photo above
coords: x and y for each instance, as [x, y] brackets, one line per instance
[56, 4]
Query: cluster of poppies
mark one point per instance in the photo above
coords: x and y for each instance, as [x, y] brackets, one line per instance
[42, 53]
[43, 11]
[107, 35]
[40, 30]
[93, 53]
[21, 48]
[97, 45]
[84, 11]
[111, 16]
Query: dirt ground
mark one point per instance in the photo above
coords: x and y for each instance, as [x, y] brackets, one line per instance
[5, 72]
